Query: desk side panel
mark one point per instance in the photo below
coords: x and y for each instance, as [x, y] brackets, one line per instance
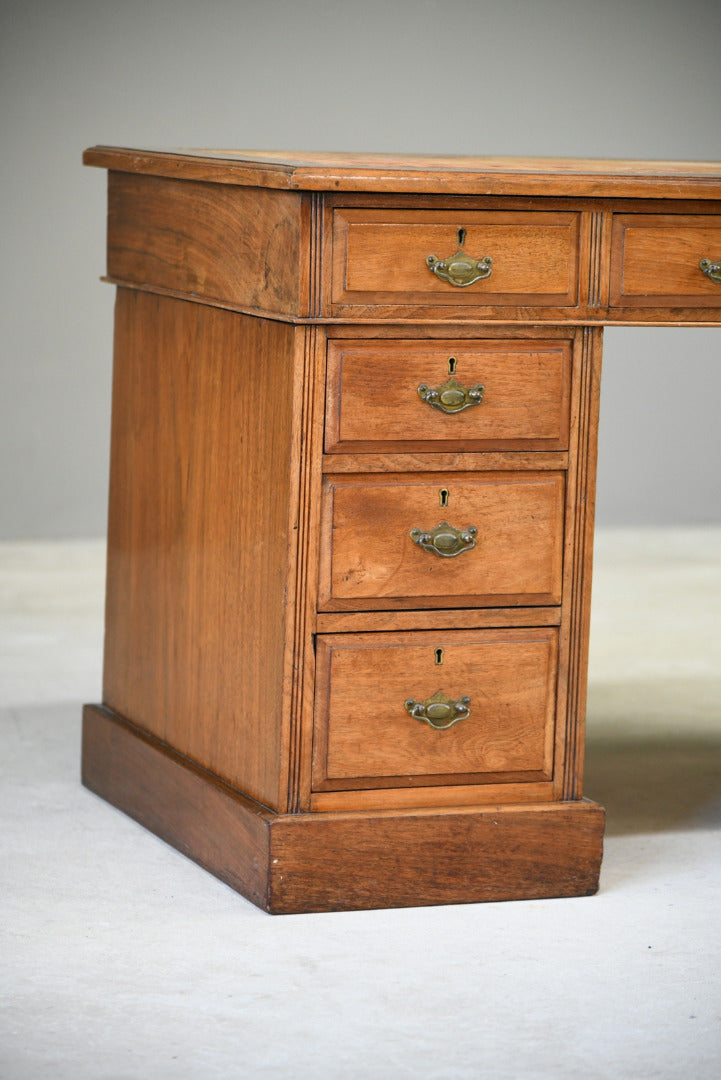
[200, 544]
[247, 247]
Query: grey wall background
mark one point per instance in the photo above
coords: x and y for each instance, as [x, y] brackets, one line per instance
[598, 78]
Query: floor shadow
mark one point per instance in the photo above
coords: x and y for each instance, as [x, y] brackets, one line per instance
[649, 786]
[653, 751]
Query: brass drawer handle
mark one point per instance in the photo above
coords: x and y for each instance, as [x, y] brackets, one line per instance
[439, 712]
[460, 269]
[451, 397]
[711, 270]
[444, 540]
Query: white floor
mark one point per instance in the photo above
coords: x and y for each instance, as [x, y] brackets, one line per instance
[121, 960]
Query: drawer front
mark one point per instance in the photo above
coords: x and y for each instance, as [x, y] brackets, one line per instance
[369, 557]
[656, 260]
[460, 395]
[381, 257]
[435, 707]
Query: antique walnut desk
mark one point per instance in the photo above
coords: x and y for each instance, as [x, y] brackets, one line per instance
[351, 507]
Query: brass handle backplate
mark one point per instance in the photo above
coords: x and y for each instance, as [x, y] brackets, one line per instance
[460, 269]
[712, 270]
[451, 397]
[444, 540]
[439, 712]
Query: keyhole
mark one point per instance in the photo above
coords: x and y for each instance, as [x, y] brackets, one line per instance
[461, 237]
[439, 656]
[452, 365]
[443, 496]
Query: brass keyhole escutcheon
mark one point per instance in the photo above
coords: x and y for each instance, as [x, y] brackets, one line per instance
[439, 656]
[452, 365]
[443, 495]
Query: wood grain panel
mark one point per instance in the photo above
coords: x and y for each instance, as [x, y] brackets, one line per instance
[449, 461]
[363, 730]
[578, 562]
[655, 260]
[222, 830]
[373, 401]
[337, 862]
[427, 793]
[244, 246]
[339, 622]
[368, 558]
[379, 256]
[200, 544]
[302, 604]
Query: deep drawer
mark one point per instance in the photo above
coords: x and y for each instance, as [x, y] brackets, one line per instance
[382, 257]
[424, 395]
[369, 557]
[408, 709]
[656, 260]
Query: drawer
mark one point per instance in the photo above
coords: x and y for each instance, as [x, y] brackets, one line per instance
[369, 557]
[382, 257]
[414, 395]
[422, 708]
[655, 260]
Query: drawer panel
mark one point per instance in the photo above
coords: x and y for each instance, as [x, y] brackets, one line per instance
[375, 400]
[380, 256]
[501, 683]
[370, 559]
[655, 260]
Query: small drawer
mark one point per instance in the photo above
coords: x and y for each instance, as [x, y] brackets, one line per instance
[383, 257]
[436, 395]
[423, 708]
[493, 539]
[656, 260]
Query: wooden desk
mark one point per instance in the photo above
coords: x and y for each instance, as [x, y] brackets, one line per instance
[351, 507]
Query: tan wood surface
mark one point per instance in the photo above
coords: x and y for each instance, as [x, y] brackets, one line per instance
[363, 729]
[339, 622]
[655, 260]
[215, 825]
[369, 559]
[210, 241]
[380, 256]
[200, 535]
[578, 561]
[487, 461]
[271, 252]
[435, 856]
[424, 792]
[418, 173]
[373, 401]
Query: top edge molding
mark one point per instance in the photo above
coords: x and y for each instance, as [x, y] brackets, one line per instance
[422, 174]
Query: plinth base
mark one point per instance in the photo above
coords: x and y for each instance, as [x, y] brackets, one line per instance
[290, 863]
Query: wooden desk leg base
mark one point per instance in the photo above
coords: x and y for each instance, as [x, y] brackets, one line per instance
[289, 863]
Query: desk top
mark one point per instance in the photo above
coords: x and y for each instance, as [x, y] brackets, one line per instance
[422, 174]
